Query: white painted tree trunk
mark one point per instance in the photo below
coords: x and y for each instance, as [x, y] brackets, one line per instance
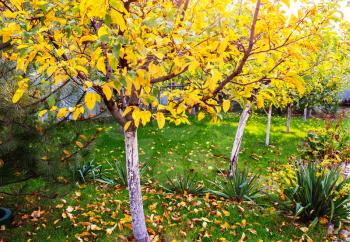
[238, 139]
[134, 187]
[310, 112]
[305, 114]
[268, 127]
[289, 116]
[346, 168]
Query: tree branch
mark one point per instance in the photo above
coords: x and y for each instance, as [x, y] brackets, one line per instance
[169, 76]
[245, 57]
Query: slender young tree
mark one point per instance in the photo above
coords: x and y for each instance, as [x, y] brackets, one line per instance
[272, 56]
[268, 126]
[289, 117]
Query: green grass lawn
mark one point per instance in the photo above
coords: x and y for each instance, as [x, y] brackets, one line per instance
[87, 211]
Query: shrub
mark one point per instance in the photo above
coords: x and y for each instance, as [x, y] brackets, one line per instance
[184, 184]
[317, 194]
[329, 145]
[240, 187]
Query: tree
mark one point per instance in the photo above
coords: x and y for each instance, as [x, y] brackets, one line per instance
[119, 53]
[280, 49]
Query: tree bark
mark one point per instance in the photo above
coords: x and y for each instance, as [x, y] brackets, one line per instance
[238, 140]
[134, 187]
[305, 113]
[121, 129]
[289, 116]
[268, 127]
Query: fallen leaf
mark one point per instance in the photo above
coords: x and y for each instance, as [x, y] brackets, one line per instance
[70, 209]
[304, 229]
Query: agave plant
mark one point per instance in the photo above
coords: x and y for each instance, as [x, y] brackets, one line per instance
[89, 171]
[317, 193]
[117, 173]
[184, 183]
[239, 188]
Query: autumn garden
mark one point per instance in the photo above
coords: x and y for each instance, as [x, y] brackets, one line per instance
[174, 120]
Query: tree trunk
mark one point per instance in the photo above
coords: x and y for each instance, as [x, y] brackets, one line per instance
[289, 116]
[310, 113]
[305, 114]
[238, 139]
[194, 111]
[269, 114]
[134, 187]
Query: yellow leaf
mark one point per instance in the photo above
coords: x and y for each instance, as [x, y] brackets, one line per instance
[226, 105]
[259, 101]
[62, 113]
[160, 120]
[79, 144]
[102, 31]
[95, 56]
[88, 38]
[136, 116]
[127, 110]
[193, 66]
[127, 125]
[297, 83]
[17, 96]
[286, 2]
[225, 226]
[60, 51]
[211, 84]
[8, 14]
[77, 112]
[90, 100]
[42, 112]
[22, 86]
[82, 69]
[101, 65]
[201, 116]
[117, 18]
[51, 70]
[216, 75]
[145, 117]
[88, 84]
[226, 213]
[107, 91]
